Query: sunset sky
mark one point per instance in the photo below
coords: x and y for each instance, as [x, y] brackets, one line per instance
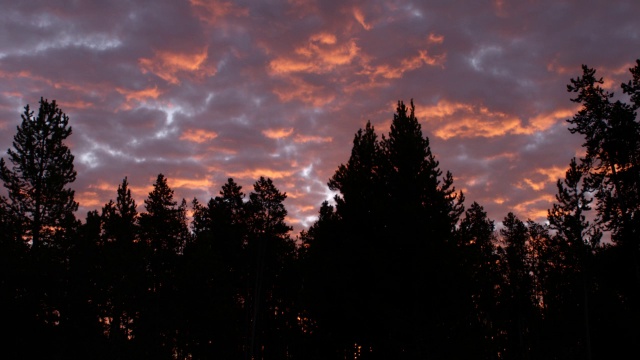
[203, 90]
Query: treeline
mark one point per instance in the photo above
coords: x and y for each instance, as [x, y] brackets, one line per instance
[396, 268]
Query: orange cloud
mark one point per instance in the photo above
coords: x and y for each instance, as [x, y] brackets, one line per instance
[139, 95]
[89, 199]
[277, 133]
[198, 135]
[211, 11]
[535, 208]
[357, 13]
[305, 92]
[190, 183]
[435, 39]
[452, 119]
[321, 54]
[310, 138]
[535, 185]
[168, 65]
[499, 200]
[395, 72]
[553, 173]
[256, 173]
[78, 104]
[542, 177]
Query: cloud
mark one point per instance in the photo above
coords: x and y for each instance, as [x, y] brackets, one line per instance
[450, 119]
[321, 54]
[198, 135]
[170, 65]
[212, 11]
[277, 133]
[359, 16]
[202, 90]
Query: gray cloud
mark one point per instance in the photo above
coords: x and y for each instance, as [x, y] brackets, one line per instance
[202, 90]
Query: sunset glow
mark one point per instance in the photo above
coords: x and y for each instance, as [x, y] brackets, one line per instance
[203, 90]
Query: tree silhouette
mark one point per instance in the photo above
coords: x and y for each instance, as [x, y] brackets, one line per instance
[570, 259]
[39, 200]
[123, 268]
[215, 278]
[612, 172]
[612, 160]
[270, 253]
[164, 233]
[517, 298]
[481, 281]
[39, 210]
[378, 253]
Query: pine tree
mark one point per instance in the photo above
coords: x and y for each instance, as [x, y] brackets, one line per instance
[612, 161]
[123, 268]
[478, 260]
[164, 233]
[387, 248]
[40, 202]
[215, 277]
[517, 297]
[270, 252]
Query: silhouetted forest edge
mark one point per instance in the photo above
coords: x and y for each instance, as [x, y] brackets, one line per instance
[397, 267]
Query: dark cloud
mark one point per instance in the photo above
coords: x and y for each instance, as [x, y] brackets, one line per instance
[202, 90]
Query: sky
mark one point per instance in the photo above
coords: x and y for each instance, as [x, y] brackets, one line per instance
[204, 90]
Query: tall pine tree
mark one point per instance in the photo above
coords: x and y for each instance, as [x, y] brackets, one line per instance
[40, 201]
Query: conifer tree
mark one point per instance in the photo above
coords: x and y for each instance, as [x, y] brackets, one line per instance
[570, 264]
[215, 278]
[164, 233]
[517, 298]
[123, 267]
[270, 253]
[39, 211]
[478, 258]
[612, 161]
[40, 202]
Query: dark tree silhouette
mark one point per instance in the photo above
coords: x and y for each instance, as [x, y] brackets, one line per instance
[39, 200]
[215, 279]
[123, 270]
[570, 257]
[517, 298]
[164, 233]
[39, 210]
[611, 169]
[612, 160]
[270, 254]
[481, 281]
[380, 251]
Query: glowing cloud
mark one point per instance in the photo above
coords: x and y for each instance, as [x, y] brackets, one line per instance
[357, 13]
[139, 95]
[198, 135]
[535, 208]
[277, 133]
[305, 92]
[407, 64]
[452, 119]
[435, 39]
[89, 199]
[310, 138]
[188, 183]
[168, 65]
[321, 54]
[211, 11]
[256, 173]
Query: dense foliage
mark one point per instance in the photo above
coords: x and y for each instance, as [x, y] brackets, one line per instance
[394, 268]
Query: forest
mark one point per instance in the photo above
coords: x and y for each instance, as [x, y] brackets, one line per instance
[397, 267]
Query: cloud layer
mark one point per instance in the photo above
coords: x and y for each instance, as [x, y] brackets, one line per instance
[203, 90]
